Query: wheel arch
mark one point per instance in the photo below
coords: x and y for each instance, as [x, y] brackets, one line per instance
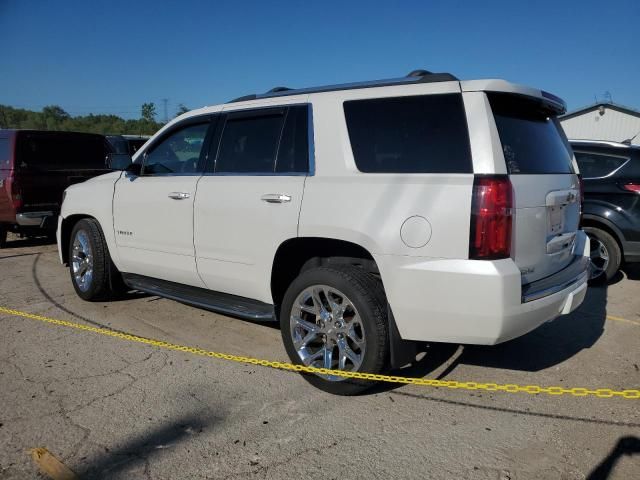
[595, 221]
[298, 254]
[65, 233]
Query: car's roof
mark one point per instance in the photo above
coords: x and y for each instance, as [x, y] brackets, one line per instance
[601, 143]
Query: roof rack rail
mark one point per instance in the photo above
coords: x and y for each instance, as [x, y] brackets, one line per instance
[415, 76]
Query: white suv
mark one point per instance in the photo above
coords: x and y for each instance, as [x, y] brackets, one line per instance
[364, 217]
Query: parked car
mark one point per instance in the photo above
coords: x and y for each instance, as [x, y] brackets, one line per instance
[611, 217]
[127, 144]
[35, 168]
[365, 217]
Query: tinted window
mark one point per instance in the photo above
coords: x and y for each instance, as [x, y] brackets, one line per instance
[293, 154]
[177, 153]
[595, 165]
[425, 134]
[4, 153]
[61, 151]
[532, 140]
[249, 144]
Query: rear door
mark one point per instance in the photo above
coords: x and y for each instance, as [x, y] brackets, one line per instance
[249, 201]
[545, 183]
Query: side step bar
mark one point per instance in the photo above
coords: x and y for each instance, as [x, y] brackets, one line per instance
[218, 302]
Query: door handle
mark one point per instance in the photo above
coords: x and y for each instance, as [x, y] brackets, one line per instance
[276, 198]
[179, 195]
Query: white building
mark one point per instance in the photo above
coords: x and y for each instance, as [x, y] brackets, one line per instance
[603, 121]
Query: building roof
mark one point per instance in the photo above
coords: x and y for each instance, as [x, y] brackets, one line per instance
[596, 106]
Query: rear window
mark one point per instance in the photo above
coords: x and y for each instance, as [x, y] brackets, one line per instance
[421, 134]
[532, 140]
[46, 151]
[597, 165]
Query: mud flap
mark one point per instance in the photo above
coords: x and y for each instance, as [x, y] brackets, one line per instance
[402, 352]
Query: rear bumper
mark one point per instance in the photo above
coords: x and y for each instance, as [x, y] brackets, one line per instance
[35, 219]
[476, 302]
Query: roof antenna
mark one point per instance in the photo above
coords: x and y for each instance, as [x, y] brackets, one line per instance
[629, 140]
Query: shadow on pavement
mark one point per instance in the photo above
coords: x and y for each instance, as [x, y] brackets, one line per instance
[626, 446]
[550, 344]
[632, 271]
[15, 241]
[140, 449]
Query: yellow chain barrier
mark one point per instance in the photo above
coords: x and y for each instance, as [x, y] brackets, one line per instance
[425, 382]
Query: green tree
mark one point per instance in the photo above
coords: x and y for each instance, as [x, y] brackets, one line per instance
[148, 112]
[181, 109]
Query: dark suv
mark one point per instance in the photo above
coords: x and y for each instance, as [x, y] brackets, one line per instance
[35, 168]
[611, 215]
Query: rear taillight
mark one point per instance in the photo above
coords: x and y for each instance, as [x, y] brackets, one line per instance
[491, 218]
[632, 187]
[16, 195]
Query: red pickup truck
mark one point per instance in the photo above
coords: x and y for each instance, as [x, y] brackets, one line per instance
[35, 168]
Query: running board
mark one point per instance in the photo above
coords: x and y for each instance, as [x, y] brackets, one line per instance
[218, 302]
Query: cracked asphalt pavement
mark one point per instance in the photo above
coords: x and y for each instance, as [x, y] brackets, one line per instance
[114, 409]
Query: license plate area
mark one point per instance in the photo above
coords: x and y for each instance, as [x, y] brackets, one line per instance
[556, 219]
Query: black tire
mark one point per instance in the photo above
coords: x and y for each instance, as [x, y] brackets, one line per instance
[612, 250]
[366, 294]
[4, 230]
[106, 282]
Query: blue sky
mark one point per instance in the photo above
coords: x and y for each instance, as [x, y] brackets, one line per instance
[111, 56]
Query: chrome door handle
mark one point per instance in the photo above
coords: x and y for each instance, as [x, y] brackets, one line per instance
[276, 198]
[179, 195]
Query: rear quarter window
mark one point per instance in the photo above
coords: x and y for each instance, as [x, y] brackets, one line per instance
[417, 134]
[533, 141]
[598, 165]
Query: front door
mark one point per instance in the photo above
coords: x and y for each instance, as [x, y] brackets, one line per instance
[153, 211]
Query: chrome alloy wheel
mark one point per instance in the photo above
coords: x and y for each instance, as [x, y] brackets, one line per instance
[599, 257]
[82, 261]
[327, 331]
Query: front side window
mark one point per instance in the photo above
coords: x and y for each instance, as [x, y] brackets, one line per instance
[249, 144]
[417, 134]
[177, 153]
[597, 165]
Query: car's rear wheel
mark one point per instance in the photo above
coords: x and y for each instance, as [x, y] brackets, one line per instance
[605, 256]
[93, 274]
[336, 318]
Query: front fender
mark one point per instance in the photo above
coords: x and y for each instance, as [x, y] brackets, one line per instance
[93, 198]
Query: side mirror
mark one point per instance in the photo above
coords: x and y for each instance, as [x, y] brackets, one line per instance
[134, 169]
[118, 161]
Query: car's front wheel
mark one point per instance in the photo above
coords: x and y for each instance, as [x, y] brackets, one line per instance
[335, 317]
[93, 274]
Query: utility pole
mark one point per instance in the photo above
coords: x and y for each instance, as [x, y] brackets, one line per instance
[164, 102]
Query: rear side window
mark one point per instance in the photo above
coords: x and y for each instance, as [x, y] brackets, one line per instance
[293, 153]
[51, 151]
[421, 134]
[4, 153]
[597, 165]
[249, 144]
[532, 140]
